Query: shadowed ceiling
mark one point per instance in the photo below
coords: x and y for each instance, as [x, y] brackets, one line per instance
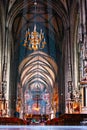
[51, 16]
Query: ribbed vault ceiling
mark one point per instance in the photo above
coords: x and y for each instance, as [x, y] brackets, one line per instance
[38, 69]
[38, 74]
[49, 15]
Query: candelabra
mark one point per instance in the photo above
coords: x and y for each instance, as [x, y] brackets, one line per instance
[34, 40]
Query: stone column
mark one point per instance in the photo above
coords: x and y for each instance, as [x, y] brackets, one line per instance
[84, 99]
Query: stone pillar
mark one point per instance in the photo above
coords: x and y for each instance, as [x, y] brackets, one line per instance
[84, 99]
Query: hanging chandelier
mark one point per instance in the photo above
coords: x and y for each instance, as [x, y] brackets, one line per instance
[34, 40]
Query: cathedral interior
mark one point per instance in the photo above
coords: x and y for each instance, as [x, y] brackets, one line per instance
[43, 58]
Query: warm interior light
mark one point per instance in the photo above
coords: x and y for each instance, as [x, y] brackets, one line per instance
[34, 40]
[36, 108]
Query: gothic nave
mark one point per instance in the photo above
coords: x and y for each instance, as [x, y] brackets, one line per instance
[43, 59]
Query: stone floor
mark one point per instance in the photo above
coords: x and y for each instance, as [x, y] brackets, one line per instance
[43, 127]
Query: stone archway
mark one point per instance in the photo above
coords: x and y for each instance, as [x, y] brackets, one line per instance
[38, 74]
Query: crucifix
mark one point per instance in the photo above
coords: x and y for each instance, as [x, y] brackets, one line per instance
[37, 99]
